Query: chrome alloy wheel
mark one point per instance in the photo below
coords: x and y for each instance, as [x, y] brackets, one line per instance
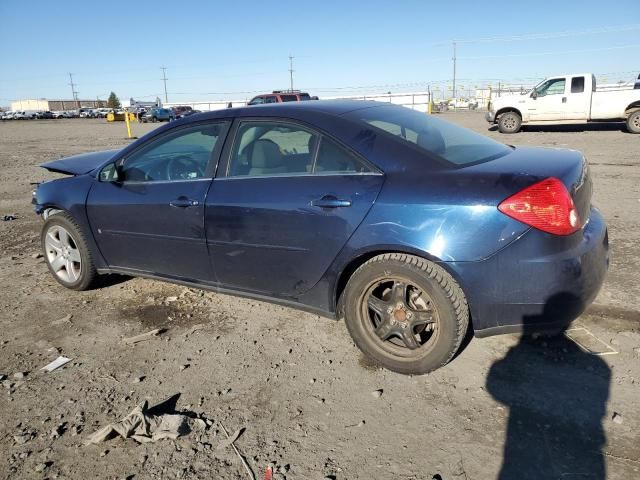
[62, 254]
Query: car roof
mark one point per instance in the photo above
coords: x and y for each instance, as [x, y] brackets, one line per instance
[285, 109]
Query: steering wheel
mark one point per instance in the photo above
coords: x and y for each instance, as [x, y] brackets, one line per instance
[180, 168]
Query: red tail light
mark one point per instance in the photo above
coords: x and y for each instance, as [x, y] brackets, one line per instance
[545, 205]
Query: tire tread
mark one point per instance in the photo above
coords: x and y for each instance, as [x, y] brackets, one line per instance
[444, 280]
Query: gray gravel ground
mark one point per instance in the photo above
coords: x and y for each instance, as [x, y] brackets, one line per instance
[309, 401]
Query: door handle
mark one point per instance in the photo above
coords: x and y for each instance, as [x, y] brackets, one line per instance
[329, 201]
[564, 99]
[183, 202]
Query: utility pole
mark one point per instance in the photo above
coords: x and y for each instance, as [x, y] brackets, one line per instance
[454, 74]
[74, 92]
[164, 79]
[290, 72]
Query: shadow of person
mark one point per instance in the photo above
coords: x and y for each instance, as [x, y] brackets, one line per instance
[556, 395]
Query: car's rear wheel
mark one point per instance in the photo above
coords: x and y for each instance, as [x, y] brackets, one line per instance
[66, 252]
[633, 122]
[509, 122]
[406, 313]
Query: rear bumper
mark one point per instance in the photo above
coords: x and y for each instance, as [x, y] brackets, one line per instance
[490, 117]
[538, 283]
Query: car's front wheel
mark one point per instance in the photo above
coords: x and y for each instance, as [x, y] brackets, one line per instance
[66, 252]
[406, 313]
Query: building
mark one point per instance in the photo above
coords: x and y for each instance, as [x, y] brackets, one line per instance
[44, 105]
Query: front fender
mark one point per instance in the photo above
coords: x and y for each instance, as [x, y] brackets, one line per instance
[70, 195]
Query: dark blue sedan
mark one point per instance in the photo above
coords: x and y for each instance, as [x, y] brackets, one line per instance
[412, 229]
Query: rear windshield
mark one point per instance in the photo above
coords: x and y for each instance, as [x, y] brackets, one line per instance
[289, 98]
[454, 144]
[304, 96]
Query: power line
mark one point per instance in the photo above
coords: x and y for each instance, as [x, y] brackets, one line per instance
[555, 52]
[164, 79]
[548, 35]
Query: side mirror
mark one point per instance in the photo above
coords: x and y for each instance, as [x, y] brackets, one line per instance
[110, 173]
[534, 94]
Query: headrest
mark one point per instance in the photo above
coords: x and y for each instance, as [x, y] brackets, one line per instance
[266, 154]
[432, 140]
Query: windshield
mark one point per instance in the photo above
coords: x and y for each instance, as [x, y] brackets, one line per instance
[450, 142]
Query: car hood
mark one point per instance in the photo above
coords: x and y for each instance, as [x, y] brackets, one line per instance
[80, 164]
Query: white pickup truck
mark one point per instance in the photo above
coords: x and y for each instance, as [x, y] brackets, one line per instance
[566, 99]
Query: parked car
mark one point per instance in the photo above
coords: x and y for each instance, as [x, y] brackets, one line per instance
[103, 112]
[60, 114]
[23, 115]
[280, 96]
[566, 99]
[181, 111]
[87, 113]
[6, 115]
[158, 115]
[463, 104]
[44, 115]
[408, 226]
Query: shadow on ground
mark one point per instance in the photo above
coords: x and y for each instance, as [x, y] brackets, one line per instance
[583, 127]
[556, 395]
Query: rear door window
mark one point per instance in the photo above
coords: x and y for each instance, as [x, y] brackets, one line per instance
[272, 148]
[333, 158]
[577, 85]
[289, 98]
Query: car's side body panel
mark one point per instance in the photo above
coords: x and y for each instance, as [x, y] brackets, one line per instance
[269, 224]
[136, 226]
[261, 237]
[69, 194]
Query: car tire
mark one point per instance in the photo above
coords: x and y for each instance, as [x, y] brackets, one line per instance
[405, 313]
[509, 122]
[633, 122]
[154, 119]
[66, 252]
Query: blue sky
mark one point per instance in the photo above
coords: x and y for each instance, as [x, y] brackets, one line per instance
[229, 50]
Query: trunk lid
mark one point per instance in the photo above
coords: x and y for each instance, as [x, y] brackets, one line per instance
[525, 166]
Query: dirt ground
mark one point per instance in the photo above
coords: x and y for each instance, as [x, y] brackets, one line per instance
[308, 400]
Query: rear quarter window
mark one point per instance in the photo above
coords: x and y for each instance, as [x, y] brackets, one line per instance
[455, 145]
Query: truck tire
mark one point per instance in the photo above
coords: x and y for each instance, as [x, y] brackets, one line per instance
[633, 122]
[509, 122]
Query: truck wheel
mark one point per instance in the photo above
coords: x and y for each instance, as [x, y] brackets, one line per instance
[509, 122]
[633, 122]
[406, 313]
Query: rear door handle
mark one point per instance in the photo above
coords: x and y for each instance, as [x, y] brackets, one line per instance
[564, 99]
[183, 202]
[329, 201]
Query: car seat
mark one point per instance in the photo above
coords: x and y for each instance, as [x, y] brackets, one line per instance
[266, 158]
